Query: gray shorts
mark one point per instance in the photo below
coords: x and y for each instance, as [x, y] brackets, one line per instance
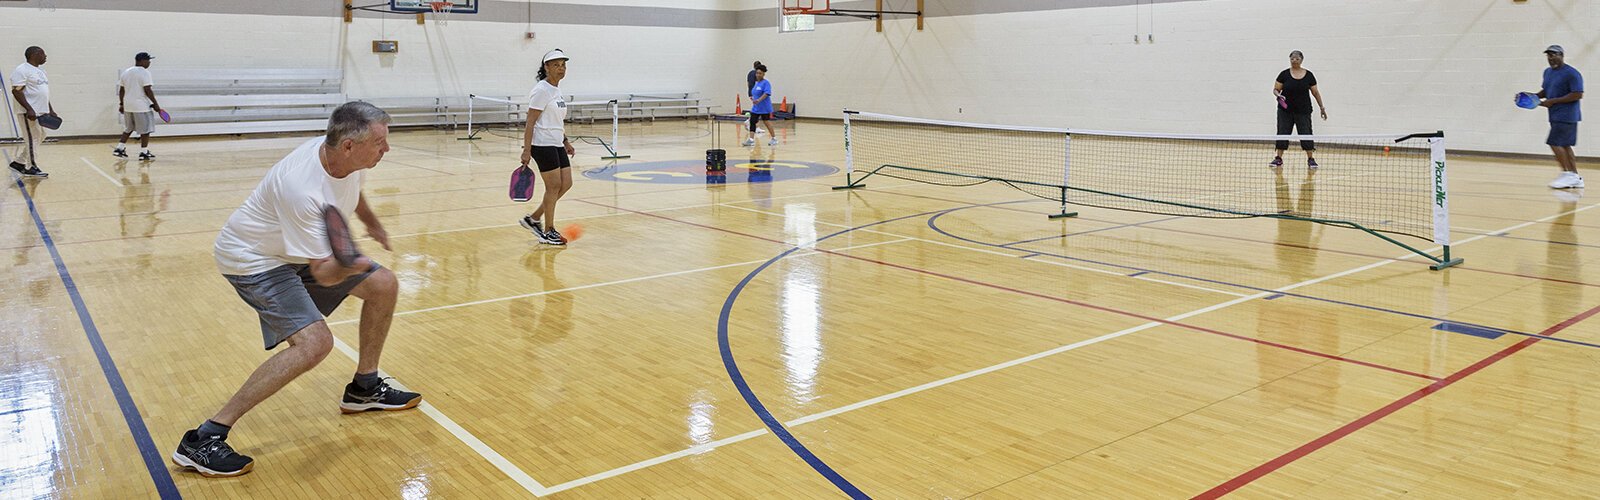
[288, 299]
[142, 123]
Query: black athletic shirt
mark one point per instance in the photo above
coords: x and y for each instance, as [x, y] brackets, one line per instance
[1298, 92]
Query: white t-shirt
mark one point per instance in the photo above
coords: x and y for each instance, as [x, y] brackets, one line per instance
[133, 81]
[547, 130]
[36, 87]
[281, 222]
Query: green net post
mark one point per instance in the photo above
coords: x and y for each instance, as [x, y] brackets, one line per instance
[1064, 213]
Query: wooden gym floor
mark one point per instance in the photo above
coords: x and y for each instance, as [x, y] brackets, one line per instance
[781, 339]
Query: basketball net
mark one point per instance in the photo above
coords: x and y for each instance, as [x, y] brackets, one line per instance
[441, 12]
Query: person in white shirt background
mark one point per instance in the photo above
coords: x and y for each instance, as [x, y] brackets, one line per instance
[31, 88]
[136, 101]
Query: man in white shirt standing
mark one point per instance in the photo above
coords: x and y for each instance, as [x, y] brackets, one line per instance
[31, 88]
[136, 100]
[275, 253]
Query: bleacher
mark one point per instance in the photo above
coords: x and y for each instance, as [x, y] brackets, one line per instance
[249, 101]
[240, 101]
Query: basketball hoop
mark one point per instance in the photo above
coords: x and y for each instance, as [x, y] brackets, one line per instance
[440, 11]
[805, 7]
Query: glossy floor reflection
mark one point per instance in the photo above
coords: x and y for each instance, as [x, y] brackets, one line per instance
[912, 340]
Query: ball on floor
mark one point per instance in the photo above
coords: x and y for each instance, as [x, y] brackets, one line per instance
[572, 232]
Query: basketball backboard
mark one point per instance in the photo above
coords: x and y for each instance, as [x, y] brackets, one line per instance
[795, 16]
[424, 6]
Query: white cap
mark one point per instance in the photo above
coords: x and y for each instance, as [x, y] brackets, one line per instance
[554, 54]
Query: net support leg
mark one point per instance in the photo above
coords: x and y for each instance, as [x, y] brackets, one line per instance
[1446, 261]
[1440, 262]
[849, 184]
[609, 148]
[1064, 213]
[471, 136]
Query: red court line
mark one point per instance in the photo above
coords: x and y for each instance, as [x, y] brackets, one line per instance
[1056, 299]
[1359, 254]
[1316, 444]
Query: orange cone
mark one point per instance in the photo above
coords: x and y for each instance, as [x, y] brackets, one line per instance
[784, 107]
[738, 105]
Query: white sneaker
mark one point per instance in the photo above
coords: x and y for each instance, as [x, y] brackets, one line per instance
[1567, 180]
[749, 142]
[773, 142]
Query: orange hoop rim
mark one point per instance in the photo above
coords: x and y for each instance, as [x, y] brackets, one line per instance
[439, 7]
[809, 7]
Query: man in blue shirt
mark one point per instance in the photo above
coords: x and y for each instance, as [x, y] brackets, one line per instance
[761, 107]
[1561, 90]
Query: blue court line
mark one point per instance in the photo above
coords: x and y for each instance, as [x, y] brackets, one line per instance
[749, 395]
[1138, 274]
[1118, 226]
[17, 411]
[130, 412]
[933, 223]
[1468, 330]
[1273, 296]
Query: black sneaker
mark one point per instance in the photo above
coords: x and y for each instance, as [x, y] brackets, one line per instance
[34, 172]
[1276, 162]
[383, 397]
[19, 167]
[119, 153]
[210, 456]
[147, 156]
[532, 225]
[553, 237]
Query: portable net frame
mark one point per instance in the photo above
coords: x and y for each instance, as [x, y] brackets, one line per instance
[1386, 185]
[507, 118]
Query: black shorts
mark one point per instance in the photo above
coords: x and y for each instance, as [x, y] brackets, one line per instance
[550, 158]
[754, 116]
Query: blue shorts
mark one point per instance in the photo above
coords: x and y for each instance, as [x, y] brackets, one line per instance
[1563, 134]
[288, 299]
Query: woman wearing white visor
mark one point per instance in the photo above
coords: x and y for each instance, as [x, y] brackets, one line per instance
[545, 144]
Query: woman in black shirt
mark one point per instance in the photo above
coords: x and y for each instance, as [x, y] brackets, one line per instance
[1295, 88]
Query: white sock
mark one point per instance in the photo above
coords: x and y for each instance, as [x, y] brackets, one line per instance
[144, 151]
[121, 146]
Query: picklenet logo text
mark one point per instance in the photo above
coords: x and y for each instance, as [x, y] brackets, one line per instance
[1438, 184]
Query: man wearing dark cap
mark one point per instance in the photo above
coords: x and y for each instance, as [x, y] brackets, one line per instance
[136, 101]
[1561, 90]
